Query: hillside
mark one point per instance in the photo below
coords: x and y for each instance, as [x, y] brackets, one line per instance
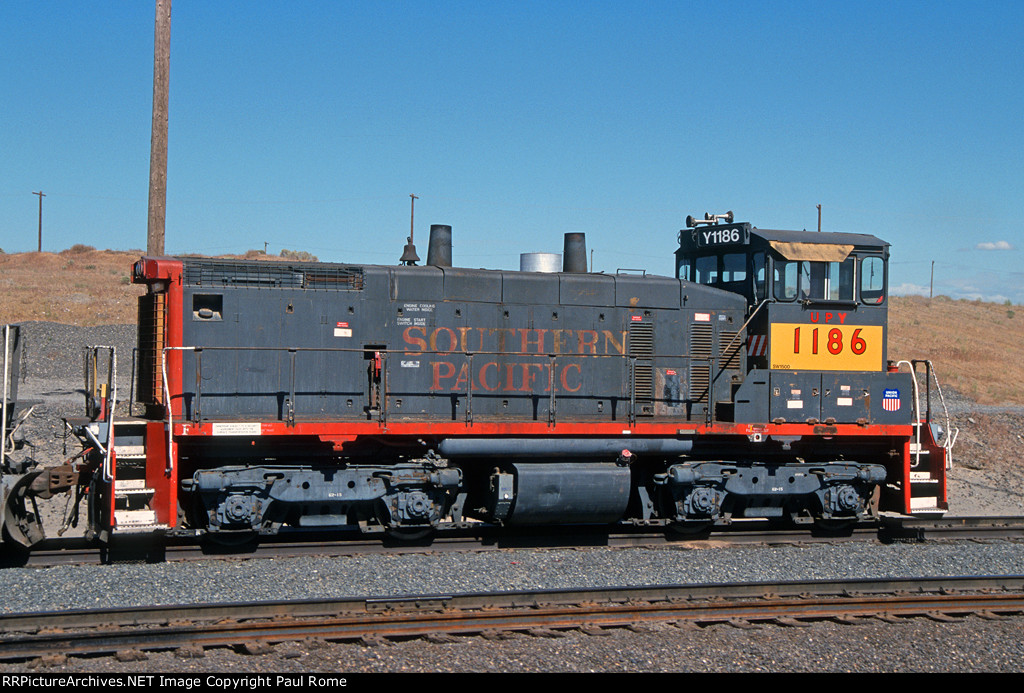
[80, 286]
[975, 346]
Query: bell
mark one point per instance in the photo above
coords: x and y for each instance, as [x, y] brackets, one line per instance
[409, 256]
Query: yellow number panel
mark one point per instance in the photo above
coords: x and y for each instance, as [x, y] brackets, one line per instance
[825, 347]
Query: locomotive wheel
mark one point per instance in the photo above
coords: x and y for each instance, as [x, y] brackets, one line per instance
[232, 540]
[409, 534]
[690, 529]
[832, 525]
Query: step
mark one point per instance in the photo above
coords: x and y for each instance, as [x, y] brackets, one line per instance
[134, 518]
[926, 505]
[124, 486]
[136, 521]
[130, 452]
[134, 492]
[139, 529]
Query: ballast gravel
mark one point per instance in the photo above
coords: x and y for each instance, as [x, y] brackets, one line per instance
[970, 644]
[206, 581]
[919, 644]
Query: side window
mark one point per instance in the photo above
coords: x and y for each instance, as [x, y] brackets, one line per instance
[784, 279]
[734, 267]
[872, 280]
[839, 276]
[829, 281]
[812, 280]
[841, 280]
[760, 276]
[685, 270]
[707, 269]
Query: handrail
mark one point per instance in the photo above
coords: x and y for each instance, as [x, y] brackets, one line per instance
[951, 431]
[385, 353]
[167, 402]
[723, 356]
[110, 404]
[3, 411]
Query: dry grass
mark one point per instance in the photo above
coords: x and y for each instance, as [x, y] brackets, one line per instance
[976, 347]
[79, 286]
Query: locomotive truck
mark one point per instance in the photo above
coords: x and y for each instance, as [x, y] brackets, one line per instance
[283, 396]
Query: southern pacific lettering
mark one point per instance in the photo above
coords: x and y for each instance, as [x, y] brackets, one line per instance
[506, 377]
[511, 340]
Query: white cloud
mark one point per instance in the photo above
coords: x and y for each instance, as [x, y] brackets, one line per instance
[988, 288]
[998, 245]
[908, 289]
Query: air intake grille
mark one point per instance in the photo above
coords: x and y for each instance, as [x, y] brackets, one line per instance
[271, 275]
[701, 341]
[641, 347]
[151, 339]
[729, 344]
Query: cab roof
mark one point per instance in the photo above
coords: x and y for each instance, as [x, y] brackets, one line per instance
[854, 239]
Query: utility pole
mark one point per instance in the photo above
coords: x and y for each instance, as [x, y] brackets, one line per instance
[158, 141]
[819, 218]
[409, 256]
[41, 196]
[412, 212]
[931, 286]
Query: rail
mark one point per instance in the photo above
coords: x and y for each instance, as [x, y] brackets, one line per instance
[101, 631]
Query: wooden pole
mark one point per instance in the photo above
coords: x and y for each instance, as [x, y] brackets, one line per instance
[412, 212]
[158, 142]
[41, 196]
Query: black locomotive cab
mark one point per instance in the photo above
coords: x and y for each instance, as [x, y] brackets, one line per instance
[806, 268]
[816, 323]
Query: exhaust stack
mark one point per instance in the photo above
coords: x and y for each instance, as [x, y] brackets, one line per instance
[439, 252]
[574, 259]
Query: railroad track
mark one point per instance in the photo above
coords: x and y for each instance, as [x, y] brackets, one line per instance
[129, 549]
[98, 632]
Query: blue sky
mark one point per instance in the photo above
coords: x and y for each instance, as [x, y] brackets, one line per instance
[306, 125]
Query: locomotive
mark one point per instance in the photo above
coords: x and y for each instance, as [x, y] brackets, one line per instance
[288, 396]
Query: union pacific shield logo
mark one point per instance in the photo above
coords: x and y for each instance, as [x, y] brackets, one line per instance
[891, 400]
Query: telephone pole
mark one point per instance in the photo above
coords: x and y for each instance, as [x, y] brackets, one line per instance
[41, 196]
[412, 213]
[158, 141]
[409, 256]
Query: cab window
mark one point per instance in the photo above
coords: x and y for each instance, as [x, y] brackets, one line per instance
[706, 269]
[827, 281]
[734, 267]
[811, 280]
[872, 280]
[784, 279]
